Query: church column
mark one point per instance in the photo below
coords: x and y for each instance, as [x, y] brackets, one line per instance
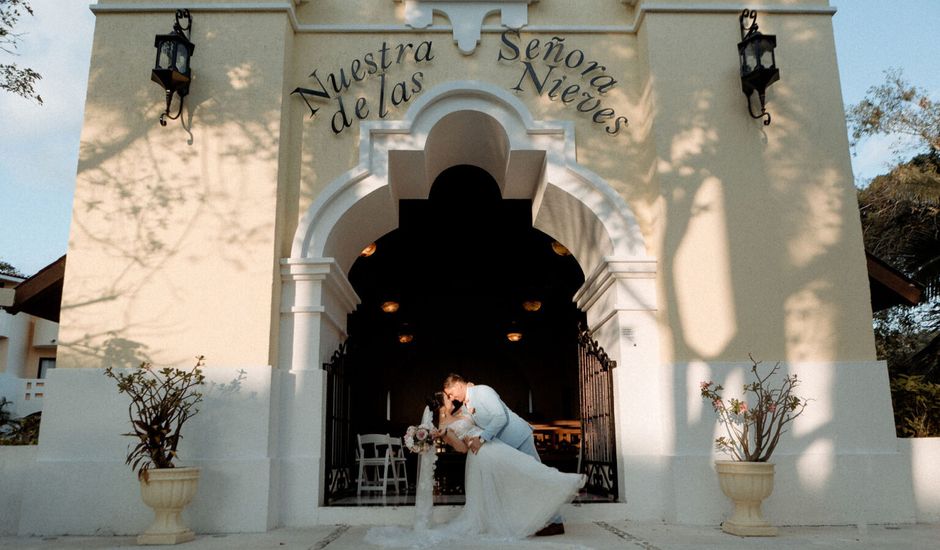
[316, 299]
[619, 298]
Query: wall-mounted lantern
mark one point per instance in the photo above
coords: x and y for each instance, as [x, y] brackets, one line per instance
[758, 63]
[171, 69]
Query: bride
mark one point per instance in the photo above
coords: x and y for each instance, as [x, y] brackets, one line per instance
[509, 494]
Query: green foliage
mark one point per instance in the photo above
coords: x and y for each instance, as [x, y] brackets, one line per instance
[895, 107]
[4, 414]
[916, 406]
[161, 402]
[754, 430]
[20, 81]
[900, 214]
[18, 431]
[9, 269]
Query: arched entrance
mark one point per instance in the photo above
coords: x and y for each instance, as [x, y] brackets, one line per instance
[466, 285]
[399, 161]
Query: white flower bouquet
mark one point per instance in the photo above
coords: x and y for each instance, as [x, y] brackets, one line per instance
[418, 439]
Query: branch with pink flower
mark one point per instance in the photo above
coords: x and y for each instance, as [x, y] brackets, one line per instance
[754, 431]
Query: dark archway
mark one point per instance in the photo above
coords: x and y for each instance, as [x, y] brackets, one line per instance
[461, 267]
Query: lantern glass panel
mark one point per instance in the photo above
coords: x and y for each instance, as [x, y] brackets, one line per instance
[766, 53]
[165, 54]
[182, 59]
[751, 57]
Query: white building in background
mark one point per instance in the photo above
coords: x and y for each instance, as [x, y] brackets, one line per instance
[27, 354]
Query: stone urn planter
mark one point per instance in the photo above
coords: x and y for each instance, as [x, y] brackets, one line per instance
[162, 400]
[747, 484]
[753, 428]
[168, 491]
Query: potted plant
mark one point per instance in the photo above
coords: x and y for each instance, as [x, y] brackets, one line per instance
[753, 428]
[161, 402]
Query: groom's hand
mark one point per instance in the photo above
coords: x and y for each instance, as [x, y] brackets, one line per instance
[474, 444]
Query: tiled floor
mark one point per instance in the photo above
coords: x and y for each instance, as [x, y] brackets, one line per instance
[619, 535]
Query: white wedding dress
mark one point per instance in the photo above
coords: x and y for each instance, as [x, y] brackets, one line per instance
[509, 495]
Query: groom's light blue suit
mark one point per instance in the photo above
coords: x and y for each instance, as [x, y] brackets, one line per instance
[496, 419]
[499, 422]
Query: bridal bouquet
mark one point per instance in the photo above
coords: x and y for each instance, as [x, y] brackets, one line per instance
[418, 439]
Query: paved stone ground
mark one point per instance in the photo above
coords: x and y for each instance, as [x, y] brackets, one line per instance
[620, 535]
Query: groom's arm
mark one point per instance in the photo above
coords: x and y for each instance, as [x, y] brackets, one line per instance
[487, 399]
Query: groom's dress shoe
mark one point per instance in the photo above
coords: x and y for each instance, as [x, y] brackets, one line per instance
[551, 529]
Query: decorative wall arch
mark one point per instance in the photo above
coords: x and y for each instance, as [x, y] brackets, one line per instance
[399, 160]
[529, 159]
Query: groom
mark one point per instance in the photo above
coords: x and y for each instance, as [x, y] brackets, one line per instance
[498, 422]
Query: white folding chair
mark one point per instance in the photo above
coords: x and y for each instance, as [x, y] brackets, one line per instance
[399, 462]
[374, 453]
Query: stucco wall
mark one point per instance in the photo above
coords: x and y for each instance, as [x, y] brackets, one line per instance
[756, 229]
[81, 452]
[759, 236]
[924, 454]
[173, 244]
[172, 247]
[15, 465]
[15, 347]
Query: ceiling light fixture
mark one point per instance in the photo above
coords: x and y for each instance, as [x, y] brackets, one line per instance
[560, 249]
[532, 305]
[368, 251]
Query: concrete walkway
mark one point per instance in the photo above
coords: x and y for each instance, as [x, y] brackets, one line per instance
[620, 535]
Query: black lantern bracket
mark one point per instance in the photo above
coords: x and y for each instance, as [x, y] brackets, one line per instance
[758, 63]
[172, 68]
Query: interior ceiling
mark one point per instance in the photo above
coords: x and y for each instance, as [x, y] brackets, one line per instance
[462, 259]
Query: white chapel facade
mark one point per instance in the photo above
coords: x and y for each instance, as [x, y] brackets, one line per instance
[313, 129]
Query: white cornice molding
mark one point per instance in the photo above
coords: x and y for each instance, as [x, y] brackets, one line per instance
[227, 7]
[606, 273]
[324, 270]
[288, 7]
[466, 17]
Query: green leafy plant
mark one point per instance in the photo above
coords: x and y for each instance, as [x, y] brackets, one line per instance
[23, 431]
[4, 414]
[755, 429]
[18, 431]
[161, 402]
[916, 406]
[7, 424]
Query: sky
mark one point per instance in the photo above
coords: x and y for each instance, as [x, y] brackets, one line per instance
[39, 144]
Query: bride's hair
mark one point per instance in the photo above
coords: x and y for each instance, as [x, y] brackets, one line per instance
[435, 402]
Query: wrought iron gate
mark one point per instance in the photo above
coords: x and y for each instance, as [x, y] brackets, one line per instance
[338, 424]
[598, 458]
